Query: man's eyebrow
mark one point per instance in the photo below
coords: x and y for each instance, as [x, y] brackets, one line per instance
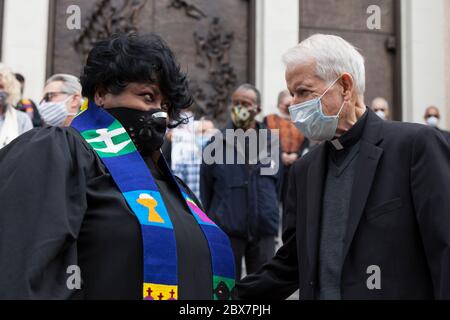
[307, 83]
[303, 86]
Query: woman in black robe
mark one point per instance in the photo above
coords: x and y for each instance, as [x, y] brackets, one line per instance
[61, 213]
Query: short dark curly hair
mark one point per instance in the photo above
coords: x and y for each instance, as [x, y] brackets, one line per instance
[114, 63]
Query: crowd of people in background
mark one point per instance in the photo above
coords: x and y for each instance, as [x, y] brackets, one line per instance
[61, 101]
[245, 204]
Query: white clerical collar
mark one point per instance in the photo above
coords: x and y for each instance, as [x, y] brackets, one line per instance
[337, 144]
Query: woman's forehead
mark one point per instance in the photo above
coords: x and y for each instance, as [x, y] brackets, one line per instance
[144, 85]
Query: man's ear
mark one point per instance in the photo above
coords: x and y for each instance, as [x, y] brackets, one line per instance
[74, 106]
[348, 86]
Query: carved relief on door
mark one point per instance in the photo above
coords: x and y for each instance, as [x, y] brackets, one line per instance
[211, 40]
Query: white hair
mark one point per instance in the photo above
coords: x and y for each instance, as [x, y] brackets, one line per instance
[70, 83]
[12, 86]
[333, 57]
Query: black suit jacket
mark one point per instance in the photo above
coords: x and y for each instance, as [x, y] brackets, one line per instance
[399, 220]
[446, 135]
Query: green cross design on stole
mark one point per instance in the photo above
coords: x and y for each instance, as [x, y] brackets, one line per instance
[110, 142]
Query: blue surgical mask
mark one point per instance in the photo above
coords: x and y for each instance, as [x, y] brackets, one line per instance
[309, 118]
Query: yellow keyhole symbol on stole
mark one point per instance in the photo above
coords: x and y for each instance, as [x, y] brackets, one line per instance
[149, 202]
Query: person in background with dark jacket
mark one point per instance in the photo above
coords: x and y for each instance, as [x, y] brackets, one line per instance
[291, 139]
[239, 197]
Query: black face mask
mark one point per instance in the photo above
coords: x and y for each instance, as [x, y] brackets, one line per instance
[146, 128]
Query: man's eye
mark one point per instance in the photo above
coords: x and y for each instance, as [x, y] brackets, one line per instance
[304, 93]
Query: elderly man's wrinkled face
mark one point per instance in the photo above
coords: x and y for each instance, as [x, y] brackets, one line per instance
[305, 85]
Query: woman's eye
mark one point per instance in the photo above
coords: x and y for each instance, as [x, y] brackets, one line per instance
[149, 97]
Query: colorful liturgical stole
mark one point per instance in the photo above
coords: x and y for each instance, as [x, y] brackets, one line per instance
[133, 178]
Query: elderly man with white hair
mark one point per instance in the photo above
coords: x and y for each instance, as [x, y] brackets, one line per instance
[368, 209]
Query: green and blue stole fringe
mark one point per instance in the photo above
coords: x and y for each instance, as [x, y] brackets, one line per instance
[117, 151]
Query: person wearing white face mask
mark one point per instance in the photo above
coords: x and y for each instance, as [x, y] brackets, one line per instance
[370, 202]
[381, 107]
[432, 118]
[62, 100]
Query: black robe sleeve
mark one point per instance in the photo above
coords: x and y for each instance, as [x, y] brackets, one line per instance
[43, 177]
[277, 279]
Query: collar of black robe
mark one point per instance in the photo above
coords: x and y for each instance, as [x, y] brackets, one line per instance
[339, 148]
[352, 136]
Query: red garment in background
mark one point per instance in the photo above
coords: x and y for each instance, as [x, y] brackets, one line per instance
[291, 138]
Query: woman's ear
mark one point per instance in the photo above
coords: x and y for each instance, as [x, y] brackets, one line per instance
[347, 85]
[99, 97]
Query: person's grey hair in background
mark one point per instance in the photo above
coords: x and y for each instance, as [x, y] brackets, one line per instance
[333, 56]
[283, 94]
[248, 86]
[70, 83]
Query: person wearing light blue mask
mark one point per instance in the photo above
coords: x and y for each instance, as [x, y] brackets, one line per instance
[310, 119]
[371, 199]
